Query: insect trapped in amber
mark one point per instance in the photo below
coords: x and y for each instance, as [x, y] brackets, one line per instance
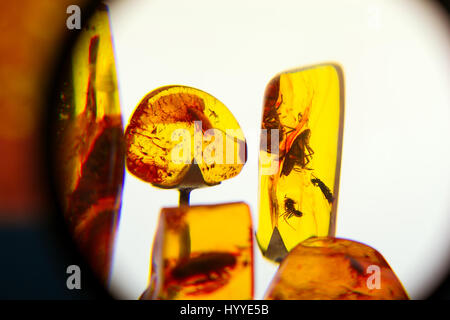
[299, 157]
[338, 269]
[203, 252]
[182, 137]
[89, 153]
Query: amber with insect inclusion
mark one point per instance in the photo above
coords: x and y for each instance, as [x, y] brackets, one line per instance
[202, 252]
[89, 149]
[300, 156]
[337, 269]
[214, 142]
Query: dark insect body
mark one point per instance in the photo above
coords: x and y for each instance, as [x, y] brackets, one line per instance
[299, 154]
[206, 264]
[290, 210]
[325, 190]
[212, 113]
[201, 274]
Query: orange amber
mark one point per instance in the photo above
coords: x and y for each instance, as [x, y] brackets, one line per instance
[203, 252]
[182, 137]
[299, 161]
[89, 143]
[332, 268]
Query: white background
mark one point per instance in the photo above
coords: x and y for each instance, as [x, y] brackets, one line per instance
[395, 176]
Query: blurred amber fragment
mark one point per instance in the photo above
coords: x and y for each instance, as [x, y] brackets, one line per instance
[32, 36]
[89, 148]
[202, 252]
[299, 159]
[338, 269]
[176, 130]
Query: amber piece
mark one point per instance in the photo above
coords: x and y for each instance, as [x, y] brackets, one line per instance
[182, 137]
[28, 49]
[89, 148]
[299, 159]
[202, 252]
[338, 269]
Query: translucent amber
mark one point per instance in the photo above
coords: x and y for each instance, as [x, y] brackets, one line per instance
[300, 156]
[89, 149]
[175, 128]
[331, 268]
[203, 252]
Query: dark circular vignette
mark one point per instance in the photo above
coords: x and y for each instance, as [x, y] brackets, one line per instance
[444, 5]
[58, 227]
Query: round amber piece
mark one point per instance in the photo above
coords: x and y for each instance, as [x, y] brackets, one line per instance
[182, 137]
[338, 269]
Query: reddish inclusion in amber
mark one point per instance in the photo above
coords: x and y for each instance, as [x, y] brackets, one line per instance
[173, 108]
[333, 268]
[89, 148]
[203, 252]
[150, 141]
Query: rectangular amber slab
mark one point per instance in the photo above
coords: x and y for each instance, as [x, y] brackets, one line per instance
[203, 252]
[300, 156]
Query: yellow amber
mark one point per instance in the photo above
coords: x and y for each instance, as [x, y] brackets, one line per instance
[202, 252]
[175, 128]
[89, 147]
[337, 269]
[300, 156]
